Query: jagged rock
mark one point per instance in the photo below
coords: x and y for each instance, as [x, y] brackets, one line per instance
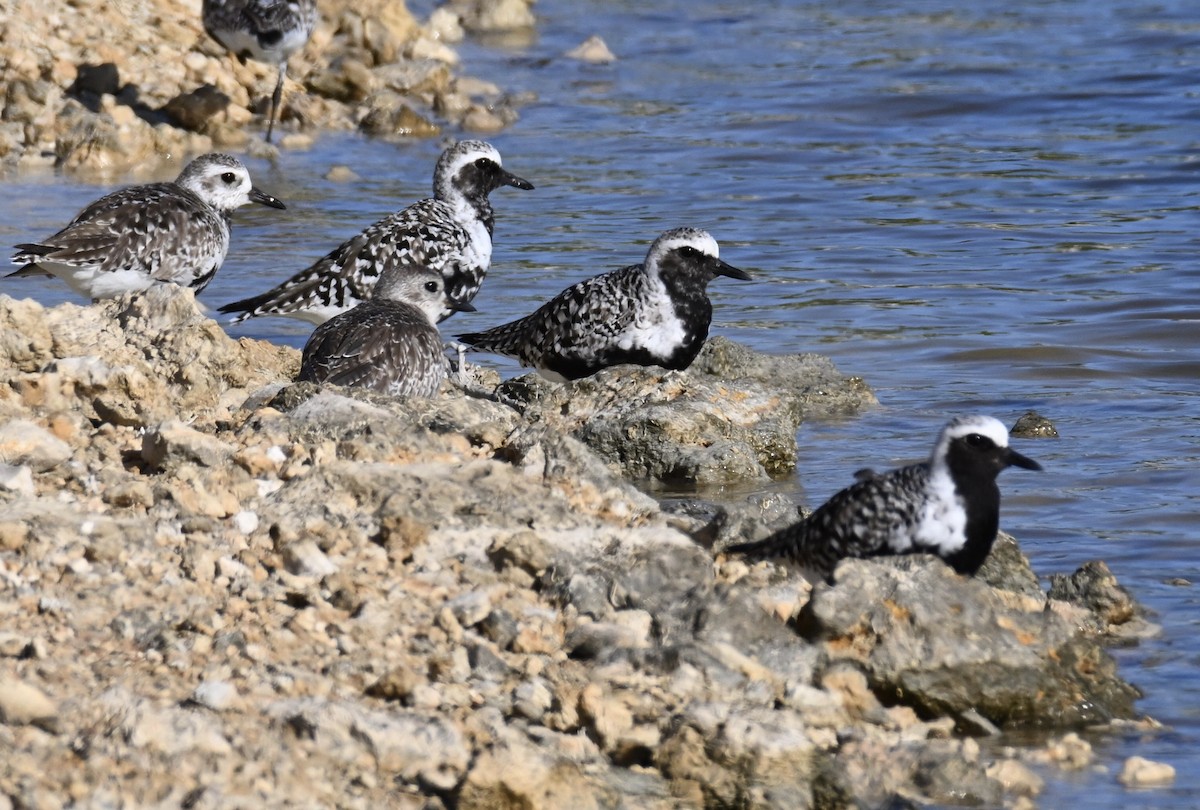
[1094, 587]
[234, 578]
[1032, 425]
[1139, 772]
[195, 109]
[23, 704]
[943, 644]
[24, 443]
[592, 50]
[731, 417]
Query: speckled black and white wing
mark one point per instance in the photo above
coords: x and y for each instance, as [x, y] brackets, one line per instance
[577, 332]
[132, 237]
[385, 346]
[861, 520]
[948, 506]
[651, 314]
[426, 233]
[450, 232]
[162, 232]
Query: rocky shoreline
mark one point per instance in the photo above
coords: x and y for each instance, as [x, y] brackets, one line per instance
[112, 89]
[223, 589]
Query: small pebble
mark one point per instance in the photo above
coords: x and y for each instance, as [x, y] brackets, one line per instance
[1032, 425]
[22, 704]
[1142, 772]
[215, 695]
[592, 50]
[342, 174]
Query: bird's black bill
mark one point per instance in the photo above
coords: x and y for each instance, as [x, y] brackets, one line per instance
[509, 179]
[1024, 462]
[462, 306]
[262, 198]
[720, 268]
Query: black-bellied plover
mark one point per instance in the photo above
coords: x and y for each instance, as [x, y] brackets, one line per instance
[651, 314]
[264, 30]
[175, 232]
[450, 232]
[389, 343]
[948, 506]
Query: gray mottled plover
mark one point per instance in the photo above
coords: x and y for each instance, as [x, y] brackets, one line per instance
[175, 232]
[450, 232]
[651, 314]
[948, 506]
[389, 343]
[264, 30]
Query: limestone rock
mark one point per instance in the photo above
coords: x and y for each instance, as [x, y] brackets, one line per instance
[23, 704]
[24, 443]
[235, 578]
[944, 644]
[592, 50]
[1141, 772]
[731, 417]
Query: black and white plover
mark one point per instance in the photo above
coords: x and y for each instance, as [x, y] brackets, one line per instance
[948, 506]
[264, 30]
[450, 232]
[651, 314]
[175, 232]
[389, 343]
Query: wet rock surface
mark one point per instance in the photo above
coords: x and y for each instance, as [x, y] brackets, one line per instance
[110, 89]
[731, 417]
[219, 588]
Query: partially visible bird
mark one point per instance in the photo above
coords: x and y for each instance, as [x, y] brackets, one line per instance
[264, 30]
[948, 506]
[389, 343]
[175, 232]
[450, 232]
[651, 314]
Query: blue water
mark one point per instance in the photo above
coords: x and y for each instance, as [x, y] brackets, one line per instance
[982, 209]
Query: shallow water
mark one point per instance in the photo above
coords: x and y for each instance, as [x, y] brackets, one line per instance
[975, 210]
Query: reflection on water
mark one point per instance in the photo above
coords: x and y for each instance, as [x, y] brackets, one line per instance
[976, 209]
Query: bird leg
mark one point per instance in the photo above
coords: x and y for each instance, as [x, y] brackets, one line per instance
[276, 97]
[461, 350]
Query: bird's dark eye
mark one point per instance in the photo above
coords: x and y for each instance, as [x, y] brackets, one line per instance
[431, 286]
[689, 252]
[980, 442]
[228, 178]
[483, 163]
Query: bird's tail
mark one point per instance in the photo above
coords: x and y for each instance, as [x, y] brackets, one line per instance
[503, 339]
[276, 301]
[784, 544]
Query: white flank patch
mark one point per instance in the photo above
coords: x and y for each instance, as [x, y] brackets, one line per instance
[91, 282]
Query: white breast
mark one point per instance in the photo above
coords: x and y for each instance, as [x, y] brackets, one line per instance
[655, 327]
[943, 520]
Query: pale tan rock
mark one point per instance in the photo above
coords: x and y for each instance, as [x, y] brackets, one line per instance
[1139, 772]
[173, 442]
[495, 15]
[23, 704]
[25, 443]
[304, 558]
[517, 775]
[592, 50]
[608, 716]
[1070, 752]
[1015, 777]
[16, 478]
